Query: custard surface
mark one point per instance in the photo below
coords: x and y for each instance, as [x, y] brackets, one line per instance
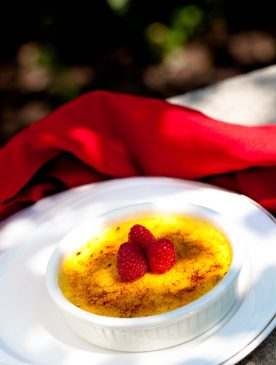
[89, 278]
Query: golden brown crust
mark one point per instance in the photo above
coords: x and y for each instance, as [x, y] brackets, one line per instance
[89, 278]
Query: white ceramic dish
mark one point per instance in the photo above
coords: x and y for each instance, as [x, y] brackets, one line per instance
[157, 331]
[32, 330]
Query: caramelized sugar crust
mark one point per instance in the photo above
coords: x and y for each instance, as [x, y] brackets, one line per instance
[89, 278]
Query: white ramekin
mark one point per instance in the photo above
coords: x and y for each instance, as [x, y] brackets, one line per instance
[156, 331]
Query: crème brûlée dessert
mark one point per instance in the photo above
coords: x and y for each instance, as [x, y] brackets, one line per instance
[89, 278]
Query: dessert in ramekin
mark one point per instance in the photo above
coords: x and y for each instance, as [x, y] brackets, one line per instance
[157, 310]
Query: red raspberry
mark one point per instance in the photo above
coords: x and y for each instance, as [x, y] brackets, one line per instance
[161, 255]
[141, 236]
[131, 262]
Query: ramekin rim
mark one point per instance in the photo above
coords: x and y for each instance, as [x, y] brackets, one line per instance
[152, 320]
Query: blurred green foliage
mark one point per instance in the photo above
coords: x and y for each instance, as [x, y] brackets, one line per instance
[52, 51]
[119, 6]
[185, 22]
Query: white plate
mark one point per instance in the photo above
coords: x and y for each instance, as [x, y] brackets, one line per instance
[31, 329]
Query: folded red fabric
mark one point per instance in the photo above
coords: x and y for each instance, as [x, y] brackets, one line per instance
[103, 135]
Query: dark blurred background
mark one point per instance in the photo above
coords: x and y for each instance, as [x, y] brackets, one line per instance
[51, 52]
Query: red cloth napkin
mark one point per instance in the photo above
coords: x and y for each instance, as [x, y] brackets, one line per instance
[103, 135]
